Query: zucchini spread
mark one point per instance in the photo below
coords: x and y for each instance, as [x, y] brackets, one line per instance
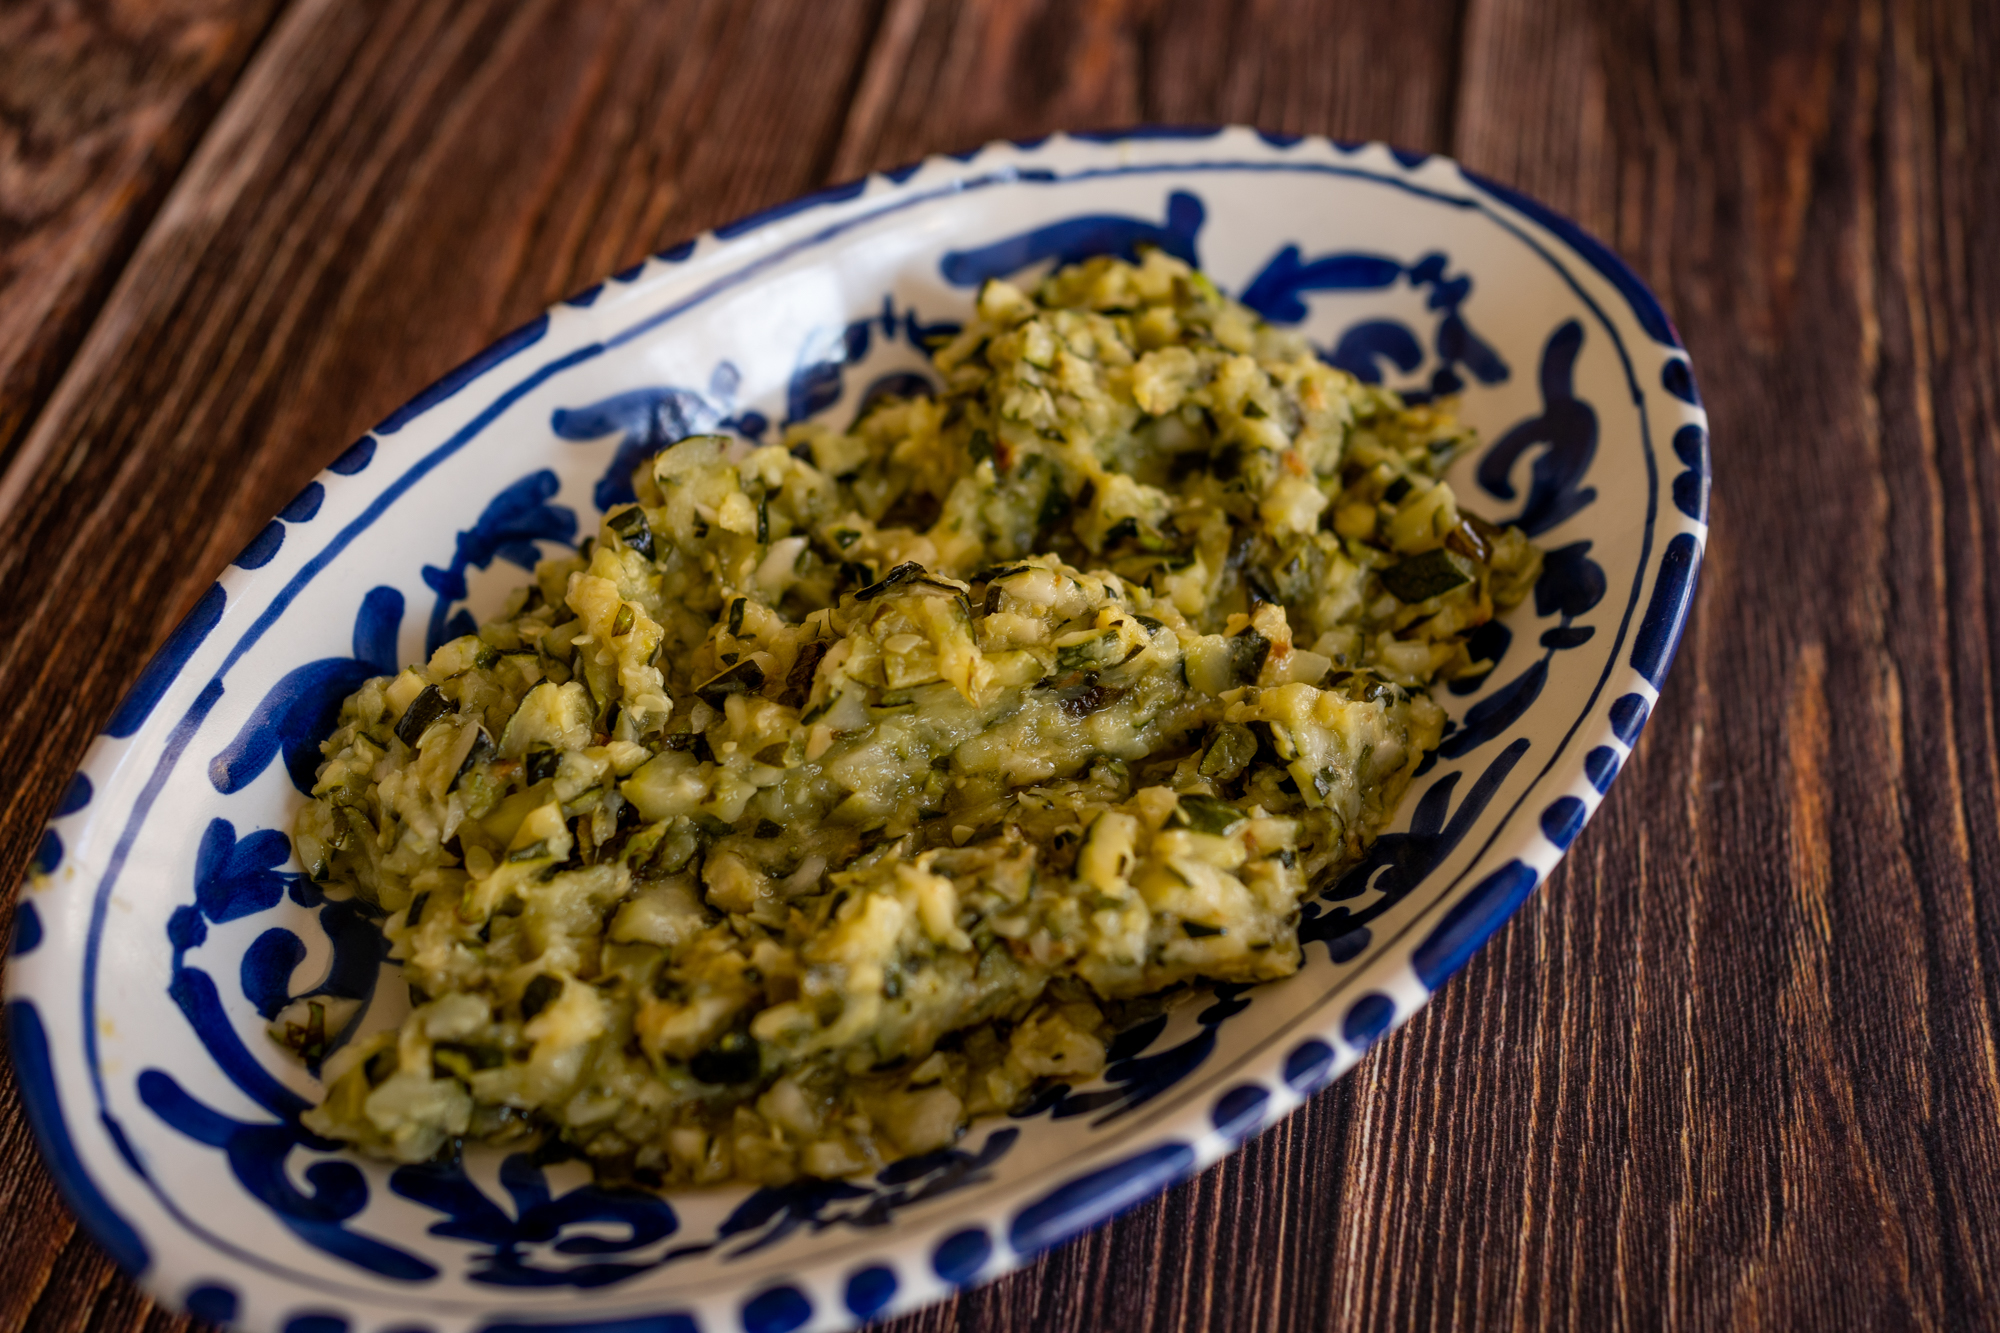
[851, 786]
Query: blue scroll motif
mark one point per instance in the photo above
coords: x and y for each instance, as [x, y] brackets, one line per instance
[773, 1213]
[818, 381]
[233, 878]
[1364, 348]
[302, 707]
[257, 1153]
[1398, 862]
[509, 528]
[538, 1217]
[762, 1220]
[1571, 585]
[1395, 864]
[648, 420]
[359, 948]
[237, 878]
[1077, 238]
[1136, 1078]
[242, 877]
[1566, 431]
[1275, 293]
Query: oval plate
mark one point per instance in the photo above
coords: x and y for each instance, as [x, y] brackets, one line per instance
[165, 917]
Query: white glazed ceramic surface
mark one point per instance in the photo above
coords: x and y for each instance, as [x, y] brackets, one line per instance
[165, 911]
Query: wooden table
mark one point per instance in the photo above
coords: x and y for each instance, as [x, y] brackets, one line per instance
[1735, 1064]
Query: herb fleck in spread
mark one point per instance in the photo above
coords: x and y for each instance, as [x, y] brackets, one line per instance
[849, 787]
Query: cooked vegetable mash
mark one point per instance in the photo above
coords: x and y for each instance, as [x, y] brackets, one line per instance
[848, 787]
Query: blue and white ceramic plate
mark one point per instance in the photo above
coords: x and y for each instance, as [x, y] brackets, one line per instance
[166, 919]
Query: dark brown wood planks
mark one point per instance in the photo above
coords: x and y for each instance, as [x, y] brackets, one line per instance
[99, 108]
[1735, 1064]
[946, 77]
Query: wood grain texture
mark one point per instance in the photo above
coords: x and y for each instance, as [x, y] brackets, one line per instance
[945, 76]
[99, 107]
[1735, 1065]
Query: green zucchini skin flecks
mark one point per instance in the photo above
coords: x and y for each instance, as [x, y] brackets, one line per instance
[849, 787]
